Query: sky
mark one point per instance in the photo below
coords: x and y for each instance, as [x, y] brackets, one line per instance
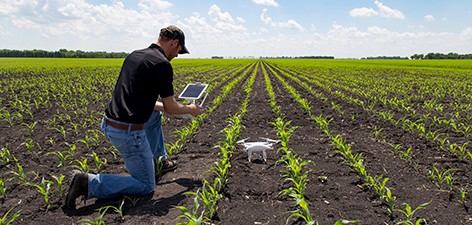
[243, 28]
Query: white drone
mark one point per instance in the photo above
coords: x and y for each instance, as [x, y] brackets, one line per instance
[257, 147]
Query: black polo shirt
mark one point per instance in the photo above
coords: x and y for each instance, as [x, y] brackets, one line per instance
[146, 74]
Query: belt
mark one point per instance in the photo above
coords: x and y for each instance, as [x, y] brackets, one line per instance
[124, 126]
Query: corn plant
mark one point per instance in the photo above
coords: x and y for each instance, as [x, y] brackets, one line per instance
[62, 157]
[98, 162]
[29, 145]
[59, 184]
[8, 118]
[221, 168]
[5, 155]
[441, 176]
[463, 196]
[20, 174]
[133, 200]
[72, 148]
[391, 200]
[302, 212]
[118, 209]
[4, 221]
[3, 189]
[30, 127]
[409, 214]
[192, 216]
[209, 197]
[406, 155]
[283, 132]
[82, 165]
[460, 150]
[60, 130]
[43, 188]
[99, 220]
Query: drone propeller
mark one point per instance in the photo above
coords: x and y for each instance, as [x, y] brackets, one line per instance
[241, 141]
[269, 140]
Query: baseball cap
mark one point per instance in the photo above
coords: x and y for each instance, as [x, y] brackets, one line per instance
[175, 33]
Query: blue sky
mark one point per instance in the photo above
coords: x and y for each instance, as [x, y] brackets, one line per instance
[238, 28]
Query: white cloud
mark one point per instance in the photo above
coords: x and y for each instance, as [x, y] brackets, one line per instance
[266, 2]
[3, 32]
[80, 18]
[466, 35]
[217, 16]
[363, 12]
[267, 20]
[429, 18]
[384, 11]
[312, 27]
[291, 24]
[263, 30]
[154, 5]
[240, 19]
[224, 21]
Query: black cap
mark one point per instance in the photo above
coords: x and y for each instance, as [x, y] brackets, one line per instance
[175, 33]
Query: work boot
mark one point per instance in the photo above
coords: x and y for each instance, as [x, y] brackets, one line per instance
[167, 166]
[78, 187]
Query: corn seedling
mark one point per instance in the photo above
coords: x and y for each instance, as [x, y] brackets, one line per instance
[463, 195]
[406, 155]
[62, 157]
[441, 176]
[8, 118]
[192, 217]
[43, 188]
[133, 200]
[4, 221]
[61, 130]
[29, 145]
[59, 185]
[450, 182]
[209, 197]
[20, 174]
[302, 212]
[5, 155]
[3, 189]
[99, 220]
[72, 149]
[409, 214]
[377, 132]
[30, 128]
[221, 170]
[118, 209]
[283, 132]
[391, 200]
[82, 165]
[98, 162]
[460, 150]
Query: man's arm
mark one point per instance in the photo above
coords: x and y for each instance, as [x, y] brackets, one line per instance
[169, 105]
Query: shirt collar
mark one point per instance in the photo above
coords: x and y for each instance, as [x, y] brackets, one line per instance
[153, 45]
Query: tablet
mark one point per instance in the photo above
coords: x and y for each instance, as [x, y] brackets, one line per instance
[193, 91]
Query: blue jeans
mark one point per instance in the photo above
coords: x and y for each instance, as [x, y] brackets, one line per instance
[138, 149]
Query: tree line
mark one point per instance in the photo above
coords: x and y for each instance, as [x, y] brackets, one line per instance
[62, 53]
[450, 55]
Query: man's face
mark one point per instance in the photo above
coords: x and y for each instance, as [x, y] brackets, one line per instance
[175, 48]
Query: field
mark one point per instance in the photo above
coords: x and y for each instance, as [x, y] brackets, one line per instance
[359, 140]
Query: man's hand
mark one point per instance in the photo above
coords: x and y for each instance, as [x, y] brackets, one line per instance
[172, 107]
[196, 110]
